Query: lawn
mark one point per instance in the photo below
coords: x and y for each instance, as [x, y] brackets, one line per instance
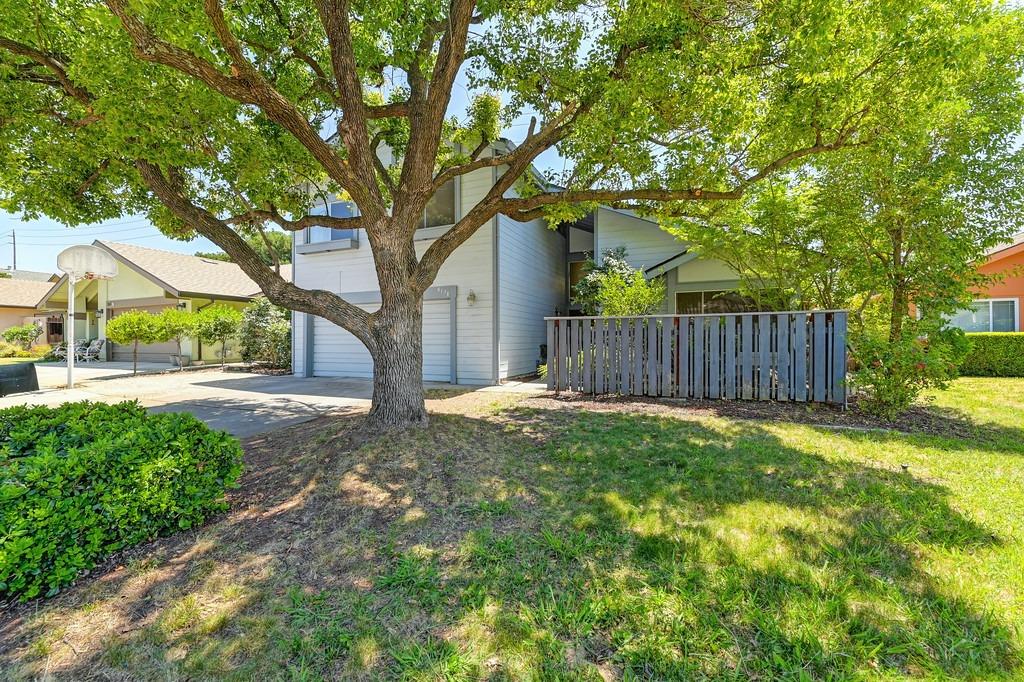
[537, 539]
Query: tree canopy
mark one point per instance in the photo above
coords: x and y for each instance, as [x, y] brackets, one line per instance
[220, 119]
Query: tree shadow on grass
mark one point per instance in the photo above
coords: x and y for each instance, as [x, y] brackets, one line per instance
[539, 544]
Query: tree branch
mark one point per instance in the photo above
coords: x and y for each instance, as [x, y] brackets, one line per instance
[169, 188]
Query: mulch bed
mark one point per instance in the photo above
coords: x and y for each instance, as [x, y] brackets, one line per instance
[923, 419]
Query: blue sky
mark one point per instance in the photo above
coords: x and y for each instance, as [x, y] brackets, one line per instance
[39, 241]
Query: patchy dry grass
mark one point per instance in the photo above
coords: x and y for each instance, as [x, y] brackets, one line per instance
[536, 539]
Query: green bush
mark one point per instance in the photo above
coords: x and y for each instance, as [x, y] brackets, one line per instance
[266, 334]
[24, 335]
[890, 376]
[83, 480]
[995, 354]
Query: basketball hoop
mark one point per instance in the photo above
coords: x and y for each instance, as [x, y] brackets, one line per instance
[78, 263]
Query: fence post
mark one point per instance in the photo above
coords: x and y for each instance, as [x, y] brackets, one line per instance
[552, 365]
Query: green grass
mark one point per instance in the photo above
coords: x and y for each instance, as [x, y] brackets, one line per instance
[15, 361]
[534, 540]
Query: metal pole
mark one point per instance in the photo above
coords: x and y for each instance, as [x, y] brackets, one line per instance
[14, 248]
[69, 332]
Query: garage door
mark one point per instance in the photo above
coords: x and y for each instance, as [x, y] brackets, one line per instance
[154, 352]
[336, 353]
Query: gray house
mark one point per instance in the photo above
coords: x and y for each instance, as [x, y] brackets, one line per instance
[484, 316]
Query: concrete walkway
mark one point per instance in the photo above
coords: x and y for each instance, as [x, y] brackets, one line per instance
[241, 403]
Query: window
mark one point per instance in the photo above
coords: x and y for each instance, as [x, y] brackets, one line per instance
[987, 315]
[440, 209]
[337, 209]
[697, 302]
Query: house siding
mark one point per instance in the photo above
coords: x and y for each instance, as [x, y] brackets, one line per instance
[646, 243]
[470, 268]
[532, 285]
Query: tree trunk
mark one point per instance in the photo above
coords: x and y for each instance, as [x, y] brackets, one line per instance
[223, 352]
[397, 352]
[135, 358]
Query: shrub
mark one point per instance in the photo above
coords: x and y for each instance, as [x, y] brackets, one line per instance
[24, 335]
[614, 288]
[134, 327]
[9, 350]
[219, 324]
[890, 376]
[995, 354]
[266, 334]
[83, 480]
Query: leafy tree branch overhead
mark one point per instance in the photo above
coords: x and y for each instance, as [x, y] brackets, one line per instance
[224, 118]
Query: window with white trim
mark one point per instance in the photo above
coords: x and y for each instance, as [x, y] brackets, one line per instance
[987, 315]
[440, 211]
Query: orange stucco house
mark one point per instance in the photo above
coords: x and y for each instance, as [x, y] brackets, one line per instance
[998, 308]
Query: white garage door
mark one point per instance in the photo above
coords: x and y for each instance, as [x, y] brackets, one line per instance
[336, 353]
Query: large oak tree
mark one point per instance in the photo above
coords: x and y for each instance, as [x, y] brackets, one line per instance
[221, 117]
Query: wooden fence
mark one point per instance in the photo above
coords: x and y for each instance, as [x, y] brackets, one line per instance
[792, 356]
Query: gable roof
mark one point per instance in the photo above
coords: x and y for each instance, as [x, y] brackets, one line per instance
[22, 293]
[31, 275]
[183, 275]
[1015, 245]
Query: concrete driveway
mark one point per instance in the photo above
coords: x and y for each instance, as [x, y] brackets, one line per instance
[243, 404]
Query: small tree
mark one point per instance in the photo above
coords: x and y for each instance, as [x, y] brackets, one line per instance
[219, 324]
[24, 335]
[134, 327]
[614, 288]
[266, 334]
[176, 325]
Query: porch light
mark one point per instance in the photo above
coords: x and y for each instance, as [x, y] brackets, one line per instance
[471, 298]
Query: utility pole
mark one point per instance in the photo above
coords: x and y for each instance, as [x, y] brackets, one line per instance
[13, 236]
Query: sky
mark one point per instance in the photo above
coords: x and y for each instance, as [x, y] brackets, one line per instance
[39, 241]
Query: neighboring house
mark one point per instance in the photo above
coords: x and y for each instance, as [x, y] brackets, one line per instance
[18, 299]
[152, 280]
[997, 308]
[30, 275]
[483, 319]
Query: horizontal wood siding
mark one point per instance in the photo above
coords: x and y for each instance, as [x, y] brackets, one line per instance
[787, 356]
[531, 285]
[470, 268]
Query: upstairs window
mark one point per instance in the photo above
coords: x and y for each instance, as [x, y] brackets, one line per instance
[440, 209]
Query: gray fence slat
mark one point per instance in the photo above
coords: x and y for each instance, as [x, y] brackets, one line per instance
[683, 358]
[783, 331]
[551, 354]
[800, 393]
[563, 354]
[839, 357]
[697, 369]
[624, 341]
[588, 352]
[747, 358]
[783, 356]
[818, 356]
[570, 355]
[730, 357]
[652, 356]
[764, 357]
[665, 330]
[637, 374]
[714, 326]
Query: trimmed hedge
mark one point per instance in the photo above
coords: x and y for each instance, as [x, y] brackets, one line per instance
[995, 354]
[83, 480]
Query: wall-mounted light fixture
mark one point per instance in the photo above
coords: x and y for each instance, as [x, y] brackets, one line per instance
[182, 305]
[471, 297]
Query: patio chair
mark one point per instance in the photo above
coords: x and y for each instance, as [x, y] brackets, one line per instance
[89, 352]
[60, 351]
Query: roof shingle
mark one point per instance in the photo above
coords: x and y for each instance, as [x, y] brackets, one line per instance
[22, 293]
[193, 275]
